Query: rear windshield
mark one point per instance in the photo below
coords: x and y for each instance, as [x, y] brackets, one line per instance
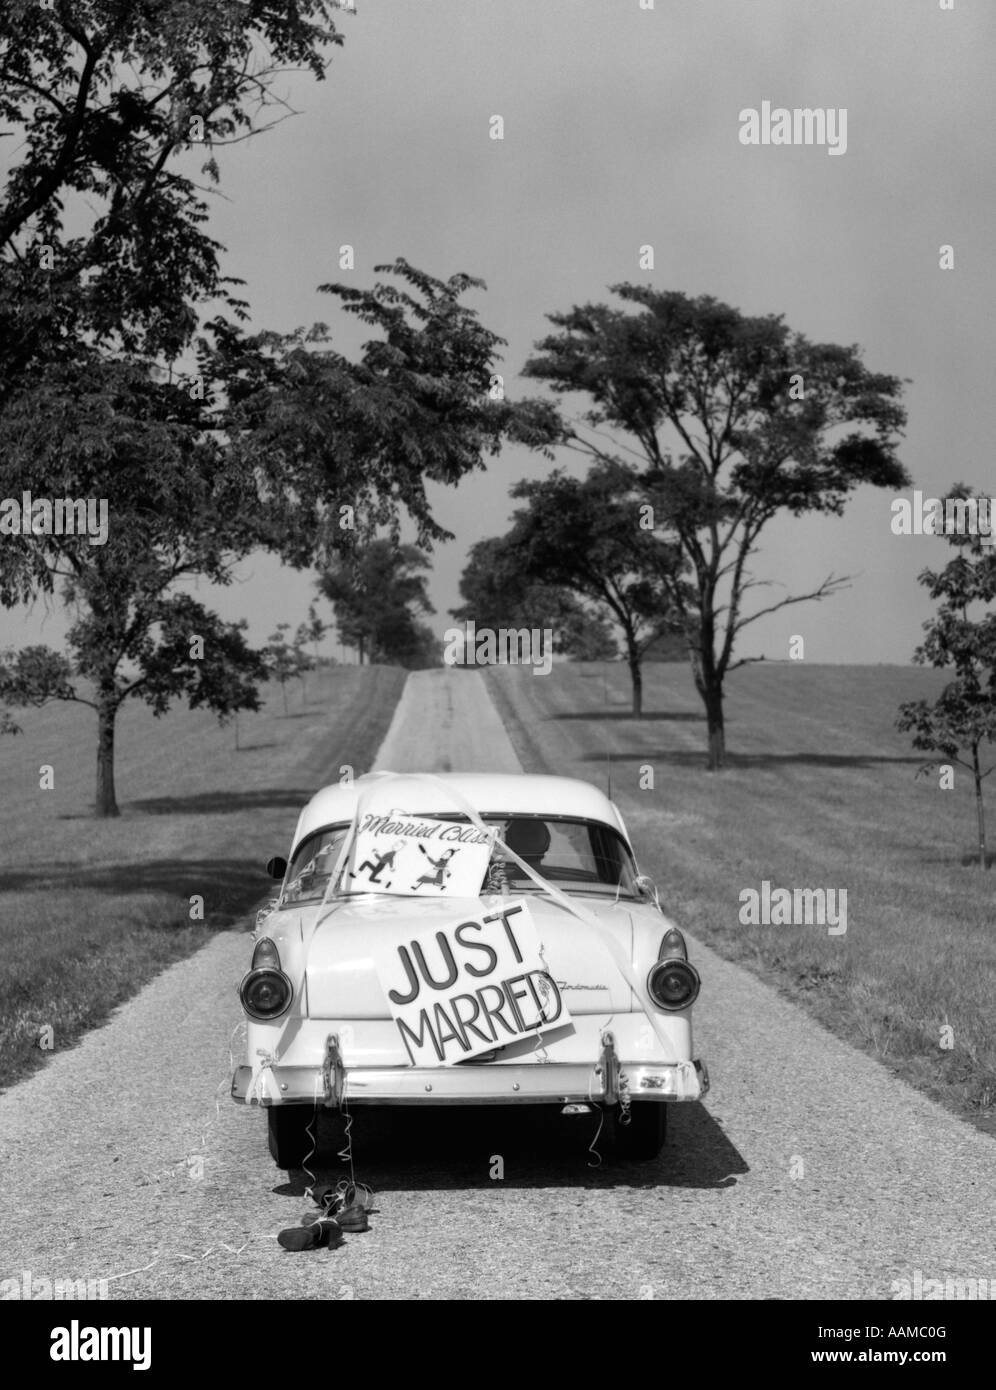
[577, 856]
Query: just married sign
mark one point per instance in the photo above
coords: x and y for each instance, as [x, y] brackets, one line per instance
[476, 983]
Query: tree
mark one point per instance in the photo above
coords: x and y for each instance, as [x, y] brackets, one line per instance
[378, 594]
[163, 668]
[285, 660]
[8, 724]
[106, 99]
[199, 477]
[345, 444]
[586, 636]
[586, 536]
[498, 595]
[764, 422]
[179, 510]
[963, 718]
[312, 631]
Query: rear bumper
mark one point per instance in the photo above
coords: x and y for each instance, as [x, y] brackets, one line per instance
[470, 1084]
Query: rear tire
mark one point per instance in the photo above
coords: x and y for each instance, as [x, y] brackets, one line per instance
[643, 1138]
[290, 1142]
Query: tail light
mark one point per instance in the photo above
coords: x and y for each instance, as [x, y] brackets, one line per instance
[265, 954]
[266, 992]
[673, 984]
[673, 946]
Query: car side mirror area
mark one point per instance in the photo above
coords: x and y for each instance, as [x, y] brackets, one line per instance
[647, 889]
[276, 867]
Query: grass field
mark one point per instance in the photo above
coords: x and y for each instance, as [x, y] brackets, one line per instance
[90, 910]
[820, 793]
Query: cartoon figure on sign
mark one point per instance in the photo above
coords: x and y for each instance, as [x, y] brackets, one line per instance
[380, 863]
[442, 873]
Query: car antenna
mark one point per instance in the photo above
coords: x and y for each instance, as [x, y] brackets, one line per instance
[608, 774]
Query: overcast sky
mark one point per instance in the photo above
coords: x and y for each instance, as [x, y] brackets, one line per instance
[621, 129]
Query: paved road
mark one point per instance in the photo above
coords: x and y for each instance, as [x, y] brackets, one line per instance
[810, 1172]
[446, 722]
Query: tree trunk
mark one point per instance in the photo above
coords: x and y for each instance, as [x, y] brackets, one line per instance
[636, 676]
[712, 695]
[709, 680]
[634, 661]
[979, 807]
[106, 804]
[709, 684]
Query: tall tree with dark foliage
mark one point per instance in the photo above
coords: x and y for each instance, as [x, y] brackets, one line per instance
[586, 535]
[206, 442]
[761, 422]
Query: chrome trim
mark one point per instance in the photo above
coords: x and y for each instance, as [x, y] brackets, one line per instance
[609, 1069]
[333, 1072]
[556, 1083]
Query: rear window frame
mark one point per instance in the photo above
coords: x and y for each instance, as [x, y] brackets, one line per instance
[460, 817]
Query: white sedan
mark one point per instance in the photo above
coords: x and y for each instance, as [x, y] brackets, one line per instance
[467, 939]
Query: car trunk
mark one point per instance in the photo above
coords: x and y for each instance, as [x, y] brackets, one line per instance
[342, 977]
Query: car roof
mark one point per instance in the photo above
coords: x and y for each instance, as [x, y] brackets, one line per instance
[490, 793]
